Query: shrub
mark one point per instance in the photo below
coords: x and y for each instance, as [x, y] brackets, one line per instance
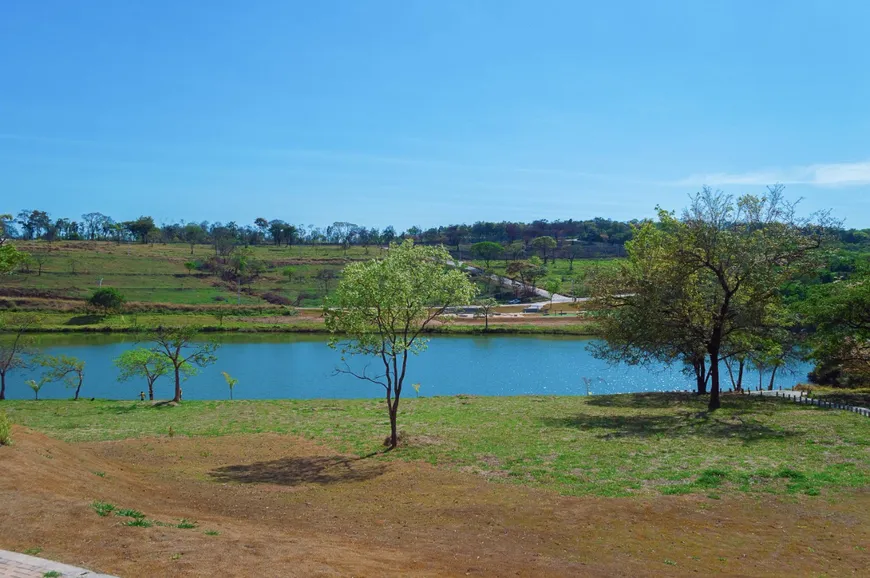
[107, 299]
[5, 429]
[276, 299]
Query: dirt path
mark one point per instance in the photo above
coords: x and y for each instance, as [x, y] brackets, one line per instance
[286, 506]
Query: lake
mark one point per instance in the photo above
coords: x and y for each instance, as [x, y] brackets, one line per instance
[303, 366]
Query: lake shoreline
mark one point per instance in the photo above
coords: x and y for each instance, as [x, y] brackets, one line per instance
[586, 330]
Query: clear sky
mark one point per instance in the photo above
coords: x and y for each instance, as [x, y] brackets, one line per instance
[429, 112]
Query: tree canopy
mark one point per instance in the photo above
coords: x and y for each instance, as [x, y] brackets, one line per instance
[702, 284]
[382, 307]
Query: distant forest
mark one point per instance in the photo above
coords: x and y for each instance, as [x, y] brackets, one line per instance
[601, 236]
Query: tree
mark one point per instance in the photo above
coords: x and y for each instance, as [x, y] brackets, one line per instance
[487, 250]
[143, 363]
[39, 259]
[288, 272]
[10, 258]
[35, 386]
[527, 272]
[108, 299]
[193, 234]
[711, 276]
[141, 228]
[93, 224]
[231, 382]
[66, 368]
[553, 287]
[840, 315]
[571, 253]
[544, 245]
[381, 308]
[13, 345]
[177, 346]
[7, 227]
[516, 250]
[190, 266]
[325, 277]
[487, 305]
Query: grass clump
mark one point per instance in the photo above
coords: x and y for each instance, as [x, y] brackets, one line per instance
[52, 574]
[212, 533]
[130, 513]
[185, 524]
[139, 523]
[102, 508]
[5, 429]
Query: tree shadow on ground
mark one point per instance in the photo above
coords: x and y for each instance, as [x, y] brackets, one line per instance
[685, 424]
[301, 470]
[644, 400]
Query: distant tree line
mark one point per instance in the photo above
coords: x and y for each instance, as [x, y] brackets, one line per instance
[34, 224]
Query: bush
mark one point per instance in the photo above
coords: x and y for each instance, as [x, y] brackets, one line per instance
[5, 429]
[108, 299]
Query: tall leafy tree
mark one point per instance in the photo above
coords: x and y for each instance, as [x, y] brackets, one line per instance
[697, 282]
[840, 317]
[544, 244]
[382, 307]
[487, 251]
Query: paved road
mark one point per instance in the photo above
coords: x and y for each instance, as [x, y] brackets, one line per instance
[15, 565]
[556, 298]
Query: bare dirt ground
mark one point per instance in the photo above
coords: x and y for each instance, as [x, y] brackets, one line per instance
[289, 507]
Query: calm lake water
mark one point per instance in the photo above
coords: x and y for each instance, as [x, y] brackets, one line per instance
[270, 367]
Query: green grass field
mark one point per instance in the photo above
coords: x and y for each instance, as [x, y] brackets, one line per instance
[157, 273]
[559, 270]
[620, 445]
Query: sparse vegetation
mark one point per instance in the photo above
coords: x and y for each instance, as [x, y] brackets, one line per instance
[103, 508]
[5, 429]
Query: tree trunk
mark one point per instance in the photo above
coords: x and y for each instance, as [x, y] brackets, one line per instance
[394, 436]
[714, 381]
[772, 377]
[2, 386]
[700, 376]
[177, 397]
[740, 374]
[78, 389]
[151, 390]
[485, 322]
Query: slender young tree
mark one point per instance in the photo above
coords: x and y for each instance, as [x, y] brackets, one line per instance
[487, 305]
[66, 368]
[13, 345]
[143, 363]
[382, 307]
[178, 346]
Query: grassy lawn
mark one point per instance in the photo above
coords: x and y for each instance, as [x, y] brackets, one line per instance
[622, 445]
[858, 396]
[156, 273]
[558, 270]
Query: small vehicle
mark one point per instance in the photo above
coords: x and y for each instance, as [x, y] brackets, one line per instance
[513, 301]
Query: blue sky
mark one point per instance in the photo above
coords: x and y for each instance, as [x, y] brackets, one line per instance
[422, 112]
